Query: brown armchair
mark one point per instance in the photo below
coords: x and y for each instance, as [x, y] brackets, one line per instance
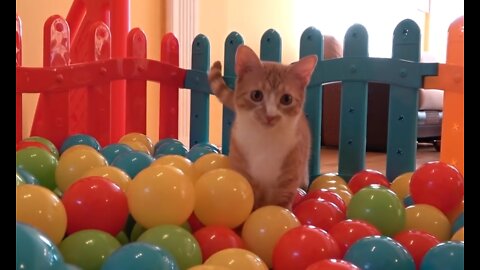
[429, 115]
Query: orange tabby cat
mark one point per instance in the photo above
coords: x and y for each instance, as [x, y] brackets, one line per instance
[270, 138]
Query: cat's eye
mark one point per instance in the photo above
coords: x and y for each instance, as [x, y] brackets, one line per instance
[286, 99]
[256, 95]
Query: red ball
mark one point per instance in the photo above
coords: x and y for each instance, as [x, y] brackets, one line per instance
[332, 264]
[215, 238]
[349, 231]
[194, 223]
[298, 196]
[24, 144]
[326, 195]
[95, 202]
[365, 178]
[438, 184]
[417, 243]
[319, 213]
[301, 246]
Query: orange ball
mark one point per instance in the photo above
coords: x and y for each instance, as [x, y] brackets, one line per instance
[177, 161]
[236, 259]
[427, 218]
[458, 235]
[223, 197]
[401, 185]
[41, 208]
[326, 180]
[114, 174]
[137, 140]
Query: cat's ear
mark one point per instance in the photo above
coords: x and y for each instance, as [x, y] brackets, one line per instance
[304, 68]
[246, 60]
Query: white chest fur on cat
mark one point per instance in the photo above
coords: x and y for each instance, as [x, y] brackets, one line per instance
[265, 148]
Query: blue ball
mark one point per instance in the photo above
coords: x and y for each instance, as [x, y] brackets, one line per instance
[143, 256]
[379, 253]
[132, 162]
[208, 145]
[408, 201]
[111, 151]
[172, 147]
[458, 223]
[199, 150]
[446, 255]
[77, 139]
[35, 251]
[27, 177]
[164, 141]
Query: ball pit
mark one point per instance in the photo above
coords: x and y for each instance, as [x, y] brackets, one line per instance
[179, 201]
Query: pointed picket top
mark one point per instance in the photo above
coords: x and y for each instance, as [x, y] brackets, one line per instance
[271, 46]
[356, 41]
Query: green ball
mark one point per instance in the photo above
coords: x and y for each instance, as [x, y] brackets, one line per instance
[46, 142]
[40, 163]
[176, 240]
[88, 249]
[380, 207]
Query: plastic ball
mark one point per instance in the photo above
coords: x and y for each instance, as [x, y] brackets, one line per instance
[211, 146]
[80, 139]
[332, 264]
[74, 163]
[24, 144]
[95, 203]
[176, 240]
[264, 227]
[132, 162]
[401, 185]
[326, 195]
[379, 253]
[198, 151]
[365, 178]
[301, 246]
[446, 255]
[34, 250]
[40, 163]
[113, 174]
[438, 184]
[319, 213]
[326, 180]
[299, 195]
[136, 232]
[458, 223]
[237, 259]
[138, 146]
[140, 256]
[380, 207]
[47, 142]
[111, 151]
[344, 192]
[408, 201]
[122, 238]
[215, 238]
[453, 214]
[195, 224]
[210, 162]
[160, 195]
[417, 243]
[165, 141]
[27, 177]
[458, 235]
[180, 162]
[429, 219]
[42, 209]
[349, 231]
[170, 147]
[223, 197]
[19, 180]
[209, 267]
[88, 249]
[138, 137]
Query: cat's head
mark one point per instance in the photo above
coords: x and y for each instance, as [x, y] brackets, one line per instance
[268, 92]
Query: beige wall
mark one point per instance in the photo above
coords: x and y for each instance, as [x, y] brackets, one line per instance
[149, 15]
[250, 18]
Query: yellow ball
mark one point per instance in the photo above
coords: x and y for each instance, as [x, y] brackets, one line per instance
[401, 185]
[458, 235]
[455, 212]
[209, 267]
[138, 146]
[223, 197]
[177, 161]
[138, 137]
[325, 181]
[74, 163]
[160, 195]
[427, 218]
[41, 208]
[342, 191]
[210, 162]
[264, 227]
[237, 259]
[114, 174]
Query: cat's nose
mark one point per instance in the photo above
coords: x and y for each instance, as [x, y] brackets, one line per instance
[272, 118]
